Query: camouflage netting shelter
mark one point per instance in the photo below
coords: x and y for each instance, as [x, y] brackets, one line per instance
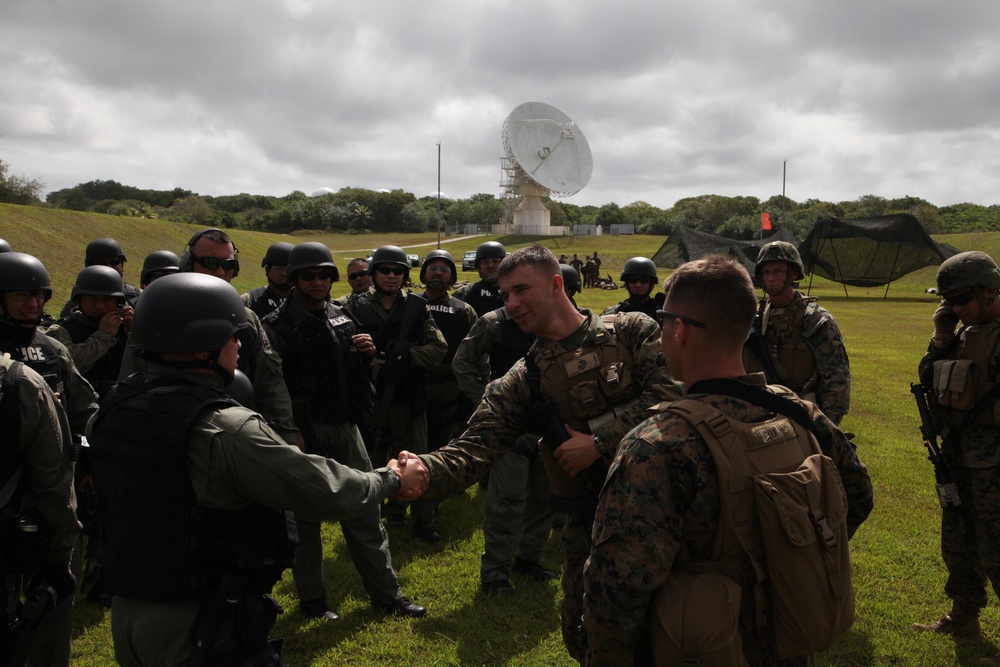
[685, 244]
[868, 252]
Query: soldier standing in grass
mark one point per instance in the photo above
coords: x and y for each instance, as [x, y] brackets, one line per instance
[595, 376]
[660, 507]
[963, 367]
[795, 342]
[326, 365]
[193, 587]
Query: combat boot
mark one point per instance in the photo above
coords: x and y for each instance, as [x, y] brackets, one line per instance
[959, 622]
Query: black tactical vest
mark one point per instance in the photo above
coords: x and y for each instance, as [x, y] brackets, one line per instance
[319, 367]
[483, 297]
[453, 322]
[511, 346]
[104, 374]
[159, 544]
[649, 306]
[386, 334]
[263, 300]
[39, 353]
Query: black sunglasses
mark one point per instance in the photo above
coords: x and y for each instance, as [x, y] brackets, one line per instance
[960, 299]
[394, 270]
[214, 263]
[667, 315]
[310, 276]
[642, 280]
[117, 261]
[357, 274]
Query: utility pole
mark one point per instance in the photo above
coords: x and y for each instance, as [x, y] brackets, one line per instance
[784, 171]
[439, 195]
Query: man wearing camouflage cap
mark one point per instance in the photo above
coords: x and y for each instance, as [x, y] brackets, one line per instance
[963, 366]
[795, 342]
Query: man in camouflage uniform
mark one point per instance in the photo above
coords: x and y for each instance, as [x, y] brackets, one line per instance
[640, 278]
[964, 367]
[661, 500]
[262, 300]
[596, 375]
[795, 342]
[198, 579]
[105, 252]
[34, 448]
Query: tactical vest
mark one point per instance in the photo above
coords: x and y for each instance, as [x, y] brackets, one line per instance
[263, 300]
[648, 307]
[964, 378]
[784, 334]
[386, 332]
[511, 346]
[453, 322]
[319, 367]
[588, 382]
[483, 297]
[41, 355]
[159, 544]
[10, 422]
[104, 373]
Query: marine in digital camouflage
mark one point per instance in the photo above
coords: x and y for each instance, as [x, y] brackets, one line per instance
[662, 493]
[808, 351]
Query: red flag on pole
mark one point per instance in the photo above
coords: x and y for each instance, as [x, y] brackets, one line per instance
[765, 221]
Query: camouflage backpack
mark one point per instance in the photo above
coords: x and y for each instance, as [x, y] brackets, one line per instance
[780, 567]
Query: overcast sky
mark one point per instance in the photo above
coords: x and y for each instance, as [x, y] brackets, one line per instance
[884, 97]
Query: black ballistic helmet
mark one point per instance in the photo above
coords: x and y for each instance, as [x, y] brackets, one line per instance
[489, 250]
[309, 255]
[640, 266]
[277, 254]
[187, 312]
[5, 247]
[20, 272]
[159, 261]
[389, 254]
[101, 250]
[439, 254]
[98, 281]
[571, 278]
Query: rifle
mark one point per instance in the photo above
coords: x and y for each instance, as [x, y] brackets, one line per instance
[757, 344]
[415, 305]
[946, 489]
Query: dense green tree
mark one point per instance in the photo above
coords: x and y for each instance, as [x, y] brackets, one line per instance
[16, 189]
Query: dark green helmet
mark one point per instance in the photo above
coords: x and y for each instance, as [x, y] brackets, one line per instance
[968, 269]
[98, 281]
[489, 250]
[187, 312]
[639, 266]
[310, 255]
[20, 272]
[779, 251]
[277, 254]
[439, 254]
[101, 250]
[5, 247]
[389, 254]
[571, 278]
[159, 261]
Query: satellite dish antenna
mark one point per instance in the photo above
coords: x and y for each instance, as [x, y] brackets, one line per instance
[547, 154]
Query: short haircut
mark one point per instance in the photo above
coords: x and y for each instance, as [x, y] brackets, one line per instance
[718, 291]
[216, 235]
[356, 260]
[533, 255]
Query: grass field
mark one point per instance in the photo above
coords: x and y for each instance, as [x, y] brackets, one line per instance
[897, 568]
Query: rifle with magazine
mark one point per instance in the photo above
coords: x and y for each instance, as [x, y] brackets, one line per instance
[946, 489]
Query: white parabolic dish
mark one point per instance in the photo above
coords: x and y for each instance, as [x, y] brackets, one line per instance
[548, 147]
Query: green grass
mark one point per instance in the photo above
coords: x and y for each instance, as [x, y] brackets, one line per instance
[898, 572]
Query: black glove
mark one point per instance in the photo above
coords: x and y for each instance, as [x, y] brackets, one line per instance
[59, 577]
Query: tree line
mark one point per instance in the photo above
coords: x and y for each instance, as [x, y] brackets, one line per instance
[359, 210]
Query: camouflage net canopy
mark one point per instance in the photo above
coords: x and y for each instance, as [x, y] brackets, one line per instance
[868, 252]
[686, 244]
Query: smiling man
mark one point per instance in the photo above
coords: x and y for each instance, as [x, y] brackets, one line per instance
[595, 375]
[795, 342]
